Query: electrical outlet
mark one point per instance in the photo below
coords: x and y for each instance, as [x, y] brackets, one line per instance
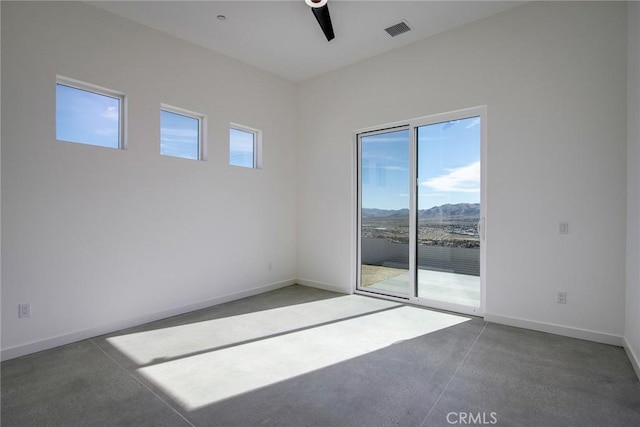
[563, 227]
[270, 266]
[24, 310]
[561, 297]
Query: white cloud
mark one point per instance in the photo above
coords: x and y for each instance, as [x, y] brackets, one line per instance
[107, 131]
[474, 122]
[394, 168]
[178, 135]
[111, 113]
[465, 179]
[383, 167]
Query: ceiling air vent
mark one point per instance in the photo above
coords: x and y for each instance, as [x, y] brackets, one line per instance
[397, 29]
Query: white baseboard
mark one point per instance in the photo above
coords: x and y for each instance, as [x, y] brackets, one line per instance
[633, 357]
[45, 344]
[552, 328]
[324, 286]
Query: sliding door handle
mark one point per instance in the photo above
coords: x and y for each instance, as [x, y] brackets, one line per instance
[481, 228]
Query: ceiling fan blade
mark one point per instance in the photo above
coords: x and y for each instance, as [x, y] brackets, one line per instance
[324, 19]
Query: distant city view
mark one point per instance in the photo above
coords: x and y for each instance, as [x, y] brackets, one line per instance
[449, 225]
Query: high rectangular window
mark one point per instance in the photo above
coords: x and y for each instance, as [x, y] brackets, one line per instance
[244, 147]
[181, 133]
[87, 114]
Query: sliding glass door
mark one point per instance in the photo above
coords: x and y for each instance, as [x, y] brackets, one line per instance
[420, 212]
[448, 249]
[384, 213]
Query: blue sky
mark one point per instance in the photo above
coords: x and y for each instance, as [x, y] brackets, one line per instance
[86, 117]
[179, 135]
[241, 148]
[448, 153]
[448, 166]
[89, 118]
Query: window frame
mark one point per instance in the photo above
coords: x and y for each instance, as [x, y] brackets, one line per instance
[202, 127]
[97, 90]
[257, 145]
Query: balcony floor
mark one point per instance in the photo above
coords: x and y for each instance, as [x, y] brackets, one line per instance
[435, 285]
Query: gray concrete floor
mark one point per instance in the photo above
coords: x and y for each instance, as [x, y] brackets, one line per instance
[461, 369]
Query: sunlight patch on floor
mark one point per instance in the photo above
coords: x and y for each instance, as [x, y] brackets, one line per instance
[204, 379]
[161, 344]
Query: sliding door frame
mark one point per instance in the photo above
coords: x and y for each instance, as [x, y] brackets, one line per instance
[412, 237]
[413, 125]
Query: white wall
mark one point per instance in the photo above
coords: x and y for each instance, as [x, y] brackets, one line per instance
[98, 238]
[553, 76]
[0, 168]
[632, 323]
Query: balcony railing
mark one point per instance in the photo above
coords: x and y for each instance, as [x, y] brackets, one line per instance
[460, 260]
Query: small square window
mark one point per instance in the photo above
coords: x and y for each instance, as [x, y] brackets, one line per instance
[244, 147]
[86, 114]
[181, 133]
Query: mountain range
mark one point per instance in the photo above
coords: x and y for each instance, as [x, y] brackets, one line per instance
[457, 211]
